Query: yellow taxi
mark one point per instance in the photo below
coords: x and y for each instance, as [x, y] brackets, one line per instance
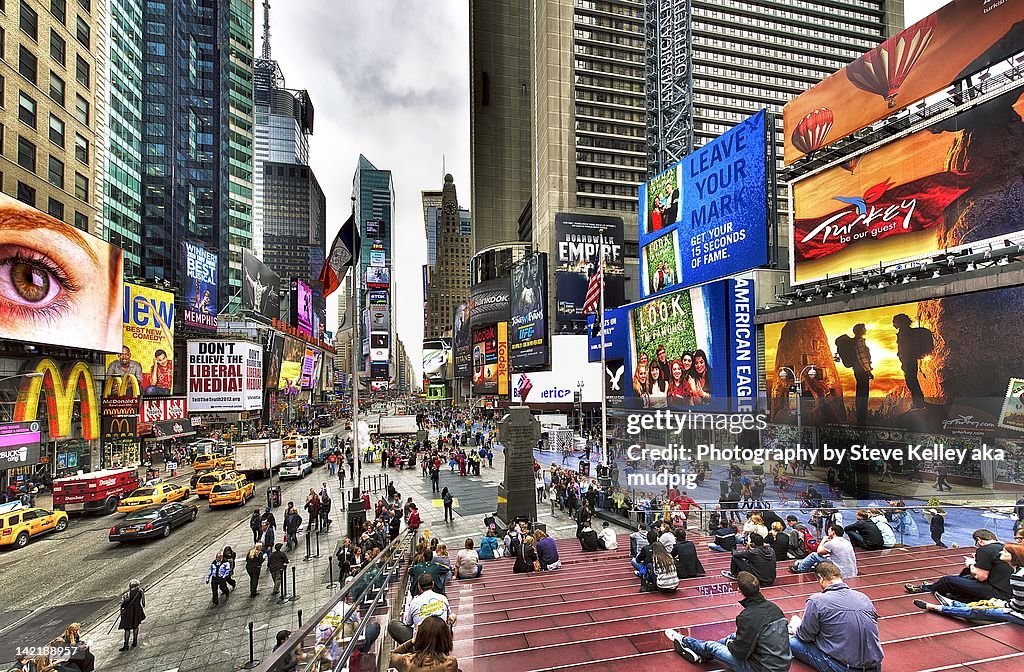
[227, 462]
[161, 493]
[19, 524]
[210, 479]
[232, 490]
[206, 462]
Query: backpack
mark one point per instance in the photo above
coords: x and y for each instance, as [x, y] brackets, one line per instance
[846, 348]
[921, 342]
[810, 543]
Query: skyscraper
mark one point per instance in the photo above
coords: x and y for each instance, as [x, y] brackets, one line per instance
[449, 272]
[197, 134]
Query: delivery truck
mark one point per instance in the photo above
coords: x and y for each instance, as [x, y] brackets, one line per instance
[391, 425]
[258, 457]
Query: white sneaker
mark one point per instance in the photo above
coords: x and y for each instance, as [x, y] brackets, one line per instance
[673, 636]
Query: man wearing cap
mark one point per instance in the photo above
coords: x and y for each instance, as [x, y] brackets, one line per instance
[606, 540]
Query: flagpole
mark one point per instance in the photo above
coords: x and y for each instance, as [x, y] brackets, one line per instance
[604, 366]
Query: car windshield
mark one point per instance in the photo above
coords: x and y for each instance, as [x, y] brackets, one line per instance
[146, 514]
[290, 463]
[225, 487]
[209, 478]
[143, 492]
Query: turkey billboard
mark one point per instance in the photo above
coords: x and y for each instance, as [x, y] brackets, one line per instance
[940, 189]
[939, 366]
[958, 40]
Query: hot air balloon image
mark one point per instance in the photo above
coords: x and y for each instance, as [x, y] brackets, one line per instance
[812, 130]
[883, 69]
[852, 163]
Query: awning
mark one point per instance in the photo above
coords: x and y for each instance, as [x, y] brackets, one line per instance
[171, 429]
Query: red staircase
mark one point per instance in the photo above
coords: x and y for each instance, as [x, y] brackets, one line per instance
[590, 616]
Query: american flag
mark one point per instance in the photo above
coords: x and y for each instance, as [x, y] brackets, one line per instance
[594, 289]
[524, 387]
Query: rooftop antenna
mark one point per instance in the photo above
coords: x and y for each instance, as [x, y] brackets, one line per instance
[266, 30]
[444, 170]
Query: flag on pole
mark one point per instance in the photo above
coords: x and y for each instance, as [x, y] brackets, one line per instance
[524, 387]
[343, 251]
[596, 285]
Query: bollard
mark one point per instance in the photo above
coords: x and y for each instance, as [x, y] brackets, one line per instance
[309, 553]
[294, 596]
[284, 587]
[252, 662]
[317, 546]
[330, 574]
[300, 619]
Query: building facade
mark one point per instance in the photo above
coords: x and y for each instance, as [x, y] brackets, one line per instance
[53, 120]
[449, 276]
[294, 221]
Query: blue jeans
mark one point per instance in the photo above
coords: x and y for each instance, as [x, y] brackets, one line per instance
[810, 562]
[717, 651]
[961, 610]
[716, 547]
[636, 565]
[962, 587]
[809, 653]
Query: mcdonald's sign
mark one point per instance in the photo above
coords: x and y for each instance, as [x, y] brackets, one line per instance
[122, 386]
[60, 386]
[120, 409]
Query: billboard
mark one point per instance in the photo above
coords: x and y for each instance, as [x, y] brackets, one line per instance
[616, 335]
[579, 242]
[528, 340]
[485, 360]
[941, 188]
[488, 302]
[960, 39]
[308, 368]
[61, 286]
[378, 258]
[569, 367]
[302, 306]
[378, 277]
[376, 228]
[380, 318]
[707, 216]
[261, 288]
[60, 385]
[435, 359]
[380, 346]
[380, 371]
[462, 342]
[275, 354]
[201, 287]
[378, 297]
[940, 366]
[225, 376]
[148, 341]
[291, 364]
[19, 445]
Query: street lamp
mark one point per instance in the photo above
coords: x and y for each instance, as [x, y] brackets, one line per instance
[579, 405]
[798, 387]
[33, 374]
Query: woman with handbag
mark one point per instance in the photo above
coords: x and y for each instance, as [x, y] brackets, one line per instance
[526, 557]
[253, 567]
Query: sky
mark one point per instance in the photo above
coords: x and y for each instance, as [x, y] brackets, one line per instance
[389, 79]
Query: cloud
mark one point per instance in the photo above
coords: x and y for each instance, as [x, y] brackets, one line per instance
[389, 79]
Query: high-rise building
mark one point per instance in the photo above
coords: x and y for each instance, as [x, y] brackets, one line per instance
[197, 134]
[449, 274]
[712, 63]
[294, 222]
[54, 113]
[373, 191]
[431, 220]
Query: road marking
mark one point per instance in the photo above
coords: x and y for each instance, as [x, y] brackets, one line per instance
[53, 551]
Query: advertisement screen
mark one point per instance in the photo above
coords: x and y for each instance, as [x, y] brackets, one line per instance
[60, 285]
[942, 365]
[308, 368]
[275, 354]
[378, 297]
[713, 208]
[569, 367]
[380, 318]
[378, 258]
[958, 40]
[376, 229]
[488, 302]
[378, 277]
[291, 365]
[261, 288]
[302, 306]
[148, 340]
[225, 376]
[435, 360]
[485, 360]
[528, 326]
[380, 346]
[616, 336]
[380, 371]
[19, 445]
[939, 189]
[200, 309]
[462, 347]
[580, 245]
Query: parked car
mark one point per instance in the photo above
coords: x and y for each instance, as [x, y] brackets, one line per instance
[300, 467]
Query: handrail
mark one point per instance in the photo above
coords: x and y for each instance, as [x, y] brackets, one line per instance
[281, 659]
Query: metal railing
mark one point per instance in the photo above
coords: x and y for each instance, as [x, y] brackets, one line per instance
[327, 640]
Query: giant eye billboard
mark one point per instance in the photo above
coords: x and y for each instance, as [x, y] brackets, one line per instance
[58, 285]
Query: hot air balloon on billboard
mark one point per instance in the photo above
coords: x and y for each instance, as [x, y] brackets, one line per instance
[812, 130]
[883, 69]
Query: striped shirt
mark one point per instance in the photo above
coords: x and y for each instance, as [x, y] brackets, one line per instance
[1017, 588]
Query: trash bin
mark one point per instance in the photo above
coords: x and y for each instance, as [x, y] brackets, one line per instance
[274, 496]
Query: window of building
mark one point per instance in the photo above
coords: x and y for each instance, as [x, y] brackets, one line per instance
[3, 43]
[86, 5]
[58, 48]
[82, 33]
[59, 9]
[55, 208]
[57, 131]
[28, 20]
[56, 88]
[27, 63]
[26, 109]
[26, 154]
[81, 221]
[82, 71]
[81, 149]
[81, 109]
[26, 194]
[56, 172]
[81, 187]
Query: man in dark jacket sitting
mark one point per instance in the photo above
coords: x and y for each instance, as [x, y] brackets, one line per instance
[588, 538]
[864, 533]
[761, 641]
[685, 554]
[758, 559]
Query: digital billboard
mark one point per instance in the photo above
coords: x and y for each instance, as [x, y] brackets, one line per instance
[380, 346]
[569, 367]
[378, 277]
[377, 297]
[528, 325]
[378, 258]
[275, 354]
[485, 360]
[200, 310]
[58, 285]
[225, 376]
[261, 288]
[580, 244]
[19, 445]
[308, 368]
[488, 302]
[291, 364]
[380, 318]
[961, 38]
[712, 208]
[616, 335]
[380, 371]
[148, 340]
[435, 359]
[942, 365]
[302, 306]
[462, 342]
[942, 188]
